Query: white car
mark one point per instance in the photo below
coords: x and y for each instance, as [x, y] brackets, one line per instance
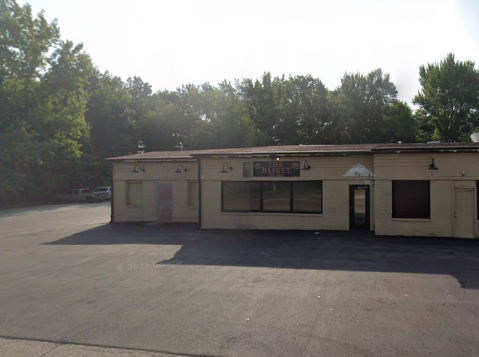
[101, 193]
[77, 195]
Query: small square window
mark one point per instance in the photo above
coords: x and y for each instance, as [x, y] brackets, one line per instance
[411, 199]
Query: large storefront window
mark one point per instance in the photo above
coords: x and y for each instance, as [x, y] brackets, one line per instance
[411, 199]
[308, 196]
[241, 196]
[272, 196]
[277, 196]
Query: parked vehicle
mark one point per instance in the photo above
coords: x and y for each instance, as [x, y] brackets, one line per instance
[75, 195]
[101, 193]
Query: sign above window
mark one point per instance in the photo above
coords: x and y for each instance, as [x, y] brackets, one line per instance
[276, 168]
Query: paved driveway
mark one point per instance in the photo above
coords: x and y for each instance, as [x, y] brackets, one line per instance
[68, 275]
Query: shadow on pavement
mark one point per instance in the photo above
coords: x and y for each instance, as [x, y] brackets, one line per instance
[324, 250]
[20, 211]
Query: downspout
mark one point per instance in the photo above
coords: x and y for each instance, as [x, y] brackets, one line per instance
[112, 188]
[199, 194]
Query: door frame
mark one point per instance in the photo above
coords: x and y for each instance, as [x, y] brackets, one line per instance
[367, 227]
[474, 188]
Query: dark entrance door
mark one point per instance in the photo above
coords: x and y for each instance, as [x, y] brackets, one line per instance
[359, 207]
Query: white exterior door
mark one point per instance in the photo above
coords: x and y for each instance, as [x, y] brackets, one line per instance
[464, 212]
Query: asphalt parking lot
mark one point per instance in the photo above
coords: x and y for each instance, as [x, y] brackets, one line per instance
[66, 275]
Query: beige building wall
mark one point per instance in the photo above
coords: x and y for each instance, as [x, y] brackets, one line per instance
[330, 170]
[455, 170]
[184, 205]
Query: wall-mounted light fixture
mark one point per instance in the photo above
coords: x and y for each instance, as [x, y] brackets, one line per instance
[433, 167]
[306, 165]
[138, 168]
[224, 171]
[274, 157]
[178, 171]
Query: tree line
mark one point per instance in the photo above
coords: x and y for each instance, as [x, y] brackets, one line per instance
[60, 117]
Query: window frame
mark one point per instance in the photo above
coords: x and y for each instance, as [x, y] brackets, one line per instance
[261, 209]
[127, 194]
[395, 216]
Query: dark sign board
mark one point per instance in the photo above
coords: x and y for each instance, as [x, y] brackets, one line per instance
[275, 168]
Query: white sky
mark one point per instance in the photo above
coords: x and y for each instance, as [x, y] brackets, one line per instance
[170, 43]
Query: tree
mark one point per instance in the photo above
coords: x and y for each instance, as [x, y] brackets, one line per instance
[399, 124]
[223, 119]
[43, 97]
[163, 126]
[361, 102]
[449, 98]
[307, 104]
[288, 110]
[425, 128]
[24, 44]
[110, 117]
[262, 104]
[63, 99]
[60, 117]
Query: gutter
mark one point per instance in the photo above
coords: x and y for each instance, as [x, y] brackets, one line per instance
[199, 194]
[284, 154]
[341, 153]
[152, 160]
[112, 195]
[425, 151]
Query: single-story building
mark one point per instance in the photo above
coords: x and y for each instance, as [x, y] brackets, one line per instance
[391, 189]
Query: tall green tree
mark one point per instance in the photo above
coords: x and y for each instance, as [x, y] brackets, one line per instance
[223, 119]
[111, 119]
[24, 44]
[43, 98]
[366, 110]
[288, 110]
[449, 97]
[261, 99]
[164, 125]
[398, 124]
[64, 97]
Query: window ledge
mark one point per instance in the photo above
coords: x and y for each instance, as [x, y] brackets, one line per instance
[412, 219]
[272, 214]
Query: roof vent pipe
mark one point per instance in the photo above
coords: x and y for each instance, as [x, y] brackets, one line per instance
[475, 137]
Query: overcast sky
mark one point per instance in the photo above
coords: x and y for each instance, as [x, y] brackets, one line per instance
[169, 43]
